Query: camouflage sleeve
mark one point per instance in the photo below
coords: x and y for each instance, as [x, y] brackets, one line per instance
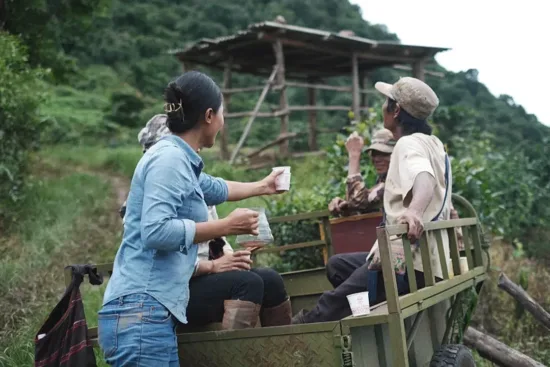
[360, 197]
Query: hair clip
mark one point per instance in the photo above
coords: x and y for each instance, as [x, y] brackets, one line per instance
[172, 107]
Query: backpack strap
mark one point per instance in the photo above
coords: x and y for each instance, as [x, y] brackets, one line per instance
[447, 169]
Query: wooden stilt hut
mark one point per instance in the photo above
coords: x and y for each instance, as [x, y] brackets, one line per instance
[297, 57]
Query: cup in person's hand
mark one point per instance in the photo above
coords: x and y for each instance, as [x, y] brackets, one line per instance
[282, 182]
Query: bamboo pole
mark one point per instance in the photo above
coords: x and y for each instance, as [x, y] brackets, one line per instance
[253, 116]
[283, 102]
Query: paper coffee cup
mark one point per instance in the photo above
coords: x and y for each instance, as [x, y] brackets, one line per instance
[282, 182]
[359, 303]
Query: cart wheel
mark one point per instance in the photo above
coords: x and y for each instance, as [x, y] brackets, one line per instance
[453, 355]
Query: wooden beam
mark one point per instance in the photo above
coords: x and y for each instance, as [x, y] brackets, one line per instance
[318, 153]
[520, 295]
[283, 102]
[231, 115]
[254, 113]
[355, 87]
[272, 143]
[336, 88]
[323, 108]
[363, 84]
[224, 150]
[496, 351]
[360, 55]
[312, 125]
[427, 72]
[229, 91]
[418, 69]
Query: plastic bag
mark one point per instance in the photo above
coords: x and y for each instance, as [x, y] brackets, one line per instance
[264, 236]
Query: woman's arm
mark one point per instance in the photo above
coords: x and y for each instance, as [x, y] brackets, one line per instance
[244, 190]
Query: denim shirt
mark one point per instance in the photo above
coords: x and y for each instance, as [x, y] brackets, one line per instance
[168, 195]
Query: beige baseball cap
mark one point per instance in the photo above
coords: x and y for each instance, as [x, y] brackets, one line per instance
[382, 141]
[413, 95]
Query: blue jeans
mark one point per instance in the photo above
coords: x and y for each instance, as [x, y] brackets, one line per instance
[137, 331]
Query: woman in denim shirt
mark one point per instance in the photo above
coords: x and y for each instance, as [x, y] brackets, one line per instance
[166, 216]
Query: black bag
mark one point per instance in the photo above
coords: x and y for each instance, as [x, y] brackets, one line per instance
[63, 339]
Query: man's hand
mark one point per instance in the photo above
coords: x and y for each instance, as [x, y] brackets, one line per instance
[337, 206]
[416, 227]
[355, 144]
[238, 260]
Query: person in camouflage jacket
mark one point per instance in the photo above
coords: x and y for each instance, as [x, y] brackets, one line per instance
[359, 198]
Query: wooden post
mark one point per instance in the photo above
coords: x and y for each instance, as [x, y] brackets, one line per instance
[312, 139]
[363, 85]
[226, 99]
[418, 69]
[524, 299]
[283, 102]
[496, 351]
[355, 87]
[254, 113]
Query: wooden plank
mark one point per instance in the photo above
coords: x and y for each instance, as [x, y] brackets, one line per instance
[386, 258]
[283, 101]
[410, 265]
[312, 123]
[253, 117]
[441, 251]
[355, 87]
[224, 150]
[270, 249]
[468, 246]
[397, 339]
[453, 247]
[328, 235]
[297, 217]
[426, 261]
[478, 257]
[399, 229]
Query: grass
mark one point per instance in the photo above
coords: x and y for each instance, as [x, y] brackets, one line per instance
[65, 218]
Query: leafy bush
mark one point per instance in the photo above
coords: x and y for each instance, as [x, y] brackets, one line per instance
[20, 122]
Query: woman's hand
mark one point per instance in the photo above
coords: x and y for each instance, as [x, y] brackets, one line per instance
[268, 184]
[243, 221]
[238, 260]
[355, 144]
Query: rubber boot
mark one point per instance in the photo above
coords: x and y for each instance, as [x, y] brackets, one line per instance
[276, 316]
[240, 315]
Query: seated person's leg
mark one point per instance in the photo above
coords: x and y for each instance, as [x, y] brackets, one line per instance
[233, 298]
[341, 266]
[333, 305]
[276, 309]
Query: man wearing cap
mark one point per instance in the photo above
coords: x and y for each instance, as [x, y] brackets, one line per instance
[359, 199]
[417, 190]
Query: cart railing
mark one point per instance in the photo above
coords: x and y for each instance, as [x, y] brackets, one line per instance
[454, 278]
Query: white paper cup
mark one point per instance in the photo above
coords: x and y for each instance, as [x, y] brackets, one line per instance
[359, 303]
[282, 182]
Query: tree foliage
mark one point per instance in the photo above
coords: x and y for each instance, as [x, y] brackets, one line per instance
[20, 123]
